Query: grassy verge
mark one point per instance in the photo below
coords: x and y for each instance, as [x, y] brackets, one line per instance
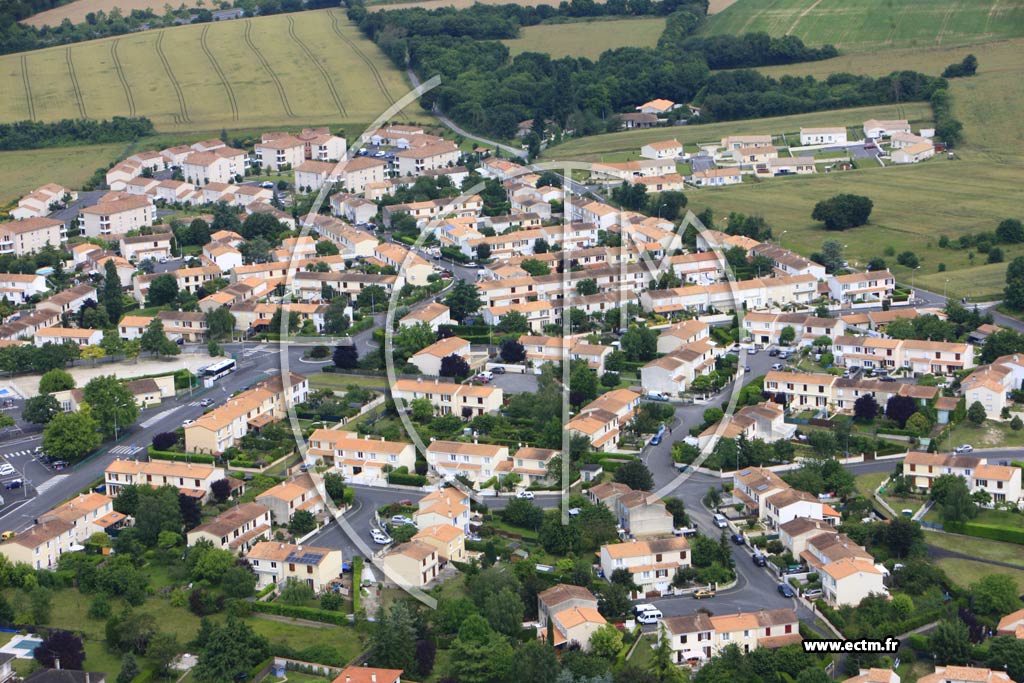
[867, 483]
[1002, 518]
[330, 380]
[977, 547]
[966, 572]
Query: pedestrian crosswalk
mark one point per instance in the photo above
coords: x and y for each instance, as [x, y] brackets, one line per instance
[125, 449]
[259, 348]
[19, 454]
[159, 416]
[49, 483]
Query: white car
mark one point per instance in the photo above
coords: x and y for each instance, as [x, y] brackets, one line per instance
[966, 448]
[6, 469]
[777, 366]
[525, 495]
[650, 617]
[186, 423]
[379, 537]
[400, 520]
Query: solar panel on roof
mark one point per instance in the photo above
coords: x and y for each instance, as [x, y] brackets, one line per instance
[762, 487]
[744, 473]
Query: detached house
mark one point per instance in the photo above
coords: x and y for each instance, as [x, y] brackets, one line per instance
[642, 513]
[276, 563]
[848, 581]
[411, 564]
[285, 498]
[652, 564]
[235, 529]
[361, 460]
[477, 462]
[447, 505]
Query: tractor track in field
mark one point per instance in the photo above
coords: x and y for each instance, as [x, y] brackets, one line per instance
[28, 89]
[320, 67]
[220, 72]
[362, 55]
[75, 87]
[266, 66]
[119, 69]
[183, 115]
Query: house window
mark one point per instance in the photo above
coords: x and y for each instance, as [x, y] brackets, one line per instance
[789, 628]
[291, 567]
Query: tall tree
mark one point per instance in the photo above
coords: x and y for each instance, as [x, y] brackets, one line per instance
[41, 409]
[112, 298]
[463, 300]
[64, 646]
[230, 650]
[479, 655]
[220, 323]
[393, 642]
[950, 643]
[154, 340]
[56, 380]
[163, 289]
[113, 406]
[71, 436]
[635, 475]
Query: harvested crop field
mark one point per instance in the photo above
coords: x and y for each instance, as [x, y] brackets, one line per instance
[587, 38]
[76, 11]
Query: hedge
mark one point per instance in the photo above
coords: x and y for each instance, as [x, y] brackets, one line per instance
[181, 457]
[357, 579]
[310, 613]
[992, 533]
[406, 479]
[612, 464]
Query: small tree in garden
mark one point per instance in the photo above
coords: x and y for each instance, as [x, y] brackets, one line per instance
[164, 441]
[221, 490]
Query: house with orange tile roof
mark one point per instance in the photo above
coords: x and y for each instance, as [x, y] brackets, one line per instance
[464, 400]
[116, 213]
[447, 505]
[991, 384]
[573, 625]
[657, 106]
[652, 564]
[698, 637]
[477, 462]
[965, 674]
[428, 360]
[276, 563]
[874, 675]
[662, 149]
[60, 335]
[191, 478]
[360, 459]
[88, 514]
[869, 287]
[849, 580]
[1012, 625]
[41, 545]
[411, 564]
[531, 463]
[29, 235]
[1001, 482]
[765, 421]
[674, 372]
[142, 247]
[366, 674]
[797, 533]
[681, 334]
[434, 314]
[298, 493]
[788, 504]
[561, 597]
[237, 529]
[602, 419]
[448, 540]
[917, 356]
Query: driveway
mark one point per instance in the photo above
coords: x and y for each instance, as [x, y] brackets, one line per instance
[512, 383]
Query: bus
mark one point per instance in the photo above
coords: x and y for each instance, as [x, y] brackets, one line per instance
[218, 370]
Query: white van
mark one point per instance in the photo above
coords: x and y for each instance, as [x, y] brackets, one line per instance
[640, 609]
[720, 521]
[650, 616]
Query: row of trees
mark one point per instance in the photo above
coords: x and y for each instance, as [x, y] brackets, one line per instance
[37, 134]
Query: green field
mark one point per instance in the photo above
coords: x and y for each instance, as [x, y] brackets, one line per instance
[966, 572]
[601, 147]
[873, 24]
[291, 69]
[981, 548]
[24, 170]
[587, 39]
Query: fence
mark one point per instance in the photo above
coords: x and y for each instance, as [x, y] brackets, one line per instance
[375, 403]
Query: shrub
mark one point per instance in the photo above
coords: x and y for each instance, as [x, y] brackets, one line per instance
[165, 440]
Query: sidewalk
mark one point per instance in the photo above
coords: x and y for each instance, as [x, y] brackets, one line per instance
[28, 385]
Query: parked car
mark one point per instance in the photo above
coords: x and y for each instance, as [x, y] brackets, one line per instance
[720, 521]
[650, 617]
[786, 591]
[525, 495]
[759, 559]
[704, 593]
[499, 370]
[777, 366]
[401, 520]
[966, 448]
[58, 464]
[266, 184]
[6, 469]
[738, 539]
[8, 535]
[405, 501]
[13, 484]
[656, 396]
[813, 594]
[773, 353]
[186, 423]
[379, 537]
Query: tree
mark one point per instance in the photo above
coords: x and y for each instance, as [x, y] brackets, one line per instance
[221, 489]
[261, 225]
[534, 267]
[639, 344]
[239, 582]
[112, 299]
[228, 651]
[155, 341]
[1008, 652]
[295, 592]
[421, 409]
[994, 595]
[163, 289]
[129, 669]
[523, 514]
[93, 352]
[831, 255]
[301, 523]
[865, 408]
[64, 646]
[504, 612]
[677, 509]
[843, 211]
[56, 380]
[71, 436]
[950, 643]
[163, 649]
[967, 67]
[513, 322]
[336, 319]
[900, 408]
[111, 344]
[454, 366]
[478, 654]
[411, 339]
[463, 300]
[663, 665]
[483, 251]
[41, 409]
[334, 486]
[372, 297]
[393, 640]
[787, 335]
[513, 352]
[220, 323]
[113, 406]
[903, 536]
[586, 287]
[976, 413]
[1010, 231]
[635, 475]
[535, 661]
[346, 356]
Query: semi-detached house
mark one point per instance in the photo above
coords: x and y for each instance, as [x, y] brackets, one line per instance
[698, 637]
[237, 529]
[477, 462]
[191, 479]
[275, 563]
[360, 460]
[652, 564]
[447, 397]
[298, 493]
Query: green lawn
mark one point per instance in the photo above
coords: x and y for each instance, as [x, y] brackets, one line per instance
[860, 25]
[643, 654]
[981, 548]
[331, 380]
[990, 434]
[22, 171]
[966, 572]
[587, 38]
[1000, 518]
[867, 483]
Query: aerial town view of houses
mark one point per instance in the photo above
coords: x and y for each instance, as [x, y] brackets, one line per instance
[631, 342]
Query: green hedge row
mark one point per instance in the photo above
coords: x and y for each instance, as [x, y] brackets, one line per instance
[612, 464]
[992, 533]
[181, 457]
[357, 579]
[407, 479]
[311, 613]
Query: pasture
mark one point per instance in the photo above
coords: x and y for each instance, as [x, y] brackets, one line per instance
[588, 38]
[76, 11]
[860, 25]
[285, 70]
[599, 147]
[24, 170]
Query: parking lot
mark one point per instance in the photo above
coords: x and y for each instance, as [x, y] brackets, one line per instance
[512, 383]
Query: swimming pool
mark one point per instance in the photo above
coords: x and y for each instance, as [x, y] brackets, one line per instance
[27, 644]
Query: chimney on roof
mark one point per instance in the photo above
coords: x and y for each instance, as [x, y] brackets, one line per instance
[56, 663]
[373, 677]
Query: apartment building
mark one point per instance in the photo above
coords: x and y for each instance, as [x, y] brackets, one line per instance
[643, 514]
[756, 293]
[236, 529]
[873, 287]
[652, 564]
[220, 165]
[276, 563]
[412, 564]
[26, 326]
[766, 328]
[416, 160]
[280, 152]
[698, 637]
[30, 235]
[477, 462]
[191, 479]
[602, 419]
[88, 514]
[268, 401]
[141, 247]
[448, 506]
[447, 397]
[298, 493]
[360, 460]
[447, 539]
[116, 214]
[355, 174]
